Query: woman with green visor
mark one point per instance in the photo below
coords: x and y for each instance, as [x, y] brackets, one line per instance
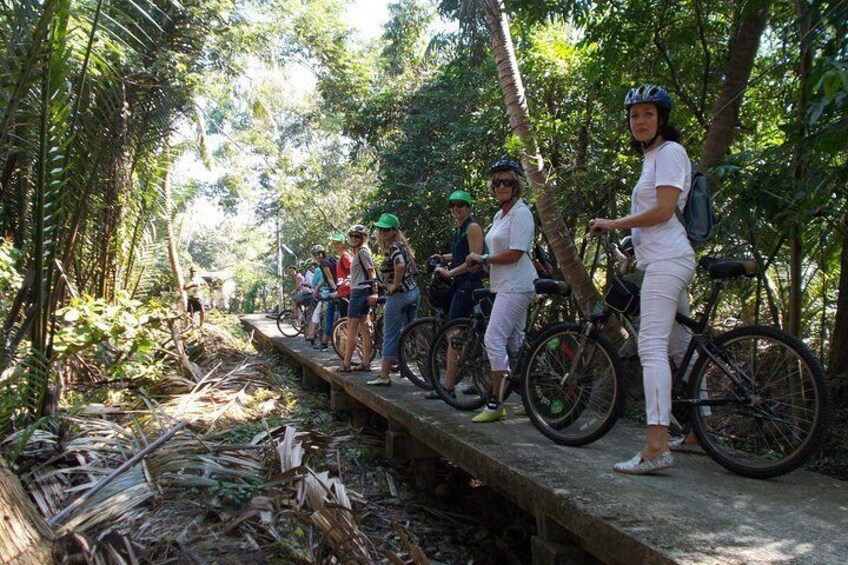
[467, 238]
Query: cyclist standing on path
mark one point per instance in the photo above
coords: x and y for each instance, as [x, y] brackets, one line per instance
[327, 265]
[194, 293]
[663, 251]
[402, 294]
[467, 238]
[318, 256]
[363, 284]
[511, 275]
[341, 276]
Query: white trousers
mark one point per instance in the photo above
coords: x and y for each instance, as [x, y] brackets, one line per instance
[505, 332]
[316, 314]
[660, 337]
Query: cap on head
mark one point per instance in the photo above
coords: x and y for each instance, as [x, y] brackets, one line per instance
[387, 222]
[460, 196]
[648, 94]
[338, 237]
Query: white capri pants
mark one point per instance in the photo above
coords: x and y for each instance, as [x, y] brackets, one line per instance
[660, 337]
[316, 313]
[505, 332]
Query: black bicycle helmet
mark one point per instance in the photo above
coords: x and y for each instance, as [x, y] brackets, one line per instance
[648, 94]
[317, 249]
[433, 263]
[505, 164]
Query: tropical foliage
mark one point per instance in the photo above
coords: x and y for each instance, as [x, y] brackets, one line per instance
[312, 129]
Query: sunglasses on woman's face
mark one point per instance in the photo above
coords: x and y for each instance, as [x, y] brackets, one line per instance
[511, 183]
[355, 236]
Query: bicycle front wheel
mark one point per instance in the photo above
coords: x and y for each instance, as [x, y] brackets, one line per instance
[765, 403]
[288, 325]
[414, 351]
[573, 385]
[459, 368]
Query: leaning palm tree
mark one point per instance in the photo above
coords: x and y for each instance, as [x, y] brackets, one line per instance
[559, 236]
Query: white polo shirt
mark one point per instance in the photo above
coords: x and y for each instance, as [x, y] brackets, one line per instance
[666, 165]
[513, 231]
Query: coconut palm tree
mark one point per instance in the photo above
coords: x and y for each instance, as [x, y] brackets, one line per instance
[559, 236]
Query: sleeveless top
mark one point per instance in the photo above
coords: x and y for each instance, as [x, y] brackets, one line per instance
[459, 251]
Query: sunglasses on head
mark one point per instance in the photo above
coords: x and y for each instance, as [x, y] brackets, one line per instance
[512, 183]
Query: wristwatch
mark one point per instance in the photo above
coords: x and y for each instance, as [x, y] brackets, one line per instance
[485, 259]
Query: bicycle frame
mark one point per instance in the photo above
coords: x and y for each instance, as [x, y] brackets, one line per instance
[700, 342]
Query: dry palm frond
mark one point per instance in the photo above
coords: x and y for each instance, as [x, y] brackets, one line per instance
[326, 496]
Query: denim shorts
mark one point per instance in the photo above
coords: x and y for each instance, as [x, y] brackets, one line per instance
[358, 306]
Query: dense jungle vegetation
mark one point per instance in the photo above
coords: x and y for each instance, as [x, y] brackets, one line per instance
[111, 108]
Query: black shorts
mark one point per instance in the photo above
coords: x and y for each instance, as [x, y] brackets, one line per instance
[194, 305]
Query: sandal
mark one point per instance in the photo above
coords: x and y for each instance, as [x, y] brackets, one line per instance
[362, 368]
[344, 369]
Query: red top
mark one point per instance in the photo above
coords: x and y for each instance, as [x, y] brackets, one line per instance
[343, 274]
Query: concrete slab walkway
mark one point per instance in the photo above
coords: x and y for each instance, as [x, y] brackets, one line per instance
[696, 512]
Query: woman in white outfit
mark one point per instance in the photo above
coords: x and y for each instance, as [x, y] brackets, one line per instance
[663, 251]
[511, 275]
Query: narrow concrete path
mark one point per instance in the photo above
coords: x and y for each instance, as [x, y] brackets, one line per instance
[696, 512]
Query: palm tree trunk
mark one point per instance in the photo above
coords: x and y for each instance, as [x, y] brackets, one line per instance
[555, 229]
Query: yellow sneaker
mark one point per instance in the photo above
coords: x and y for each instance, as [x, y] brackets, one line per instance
[379, 381]
[490, 415]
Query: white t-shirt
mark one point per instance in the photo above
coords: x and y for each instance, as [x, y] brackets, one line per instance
[666, 165]
[514, 231]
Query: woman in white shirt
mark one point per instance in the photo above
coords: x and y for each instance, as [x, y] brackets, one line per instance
[511, 275]
[663, 251]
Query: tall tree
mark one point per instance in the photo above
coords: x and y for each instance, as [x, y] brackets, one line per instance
[741, 55]
[559, 236]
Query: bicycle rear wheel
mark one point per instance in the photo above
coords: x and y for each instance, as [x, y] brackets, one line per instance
[458, 349]
[340, 337]
[772, 414]
[573, 385]
[414, 351]
[288, 325]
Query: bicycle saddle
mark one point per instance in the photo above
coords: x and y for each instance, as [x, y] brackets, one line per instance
[551, 287]
[479, 294]
[728, 268]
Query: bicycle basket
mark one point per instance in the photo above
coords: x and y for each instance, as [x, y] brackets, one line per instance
[623, 296]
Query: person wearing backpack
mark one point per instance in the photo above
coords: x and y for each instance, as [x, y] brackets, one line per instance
[363, 285]
[398, 272]
[664, 253]
[328, 265]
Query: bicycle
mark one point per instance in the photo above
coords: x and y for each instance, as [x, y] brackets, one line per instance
[755, 396]
[375, 322]
[465, 337]
[417, 336]
[291, 325]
